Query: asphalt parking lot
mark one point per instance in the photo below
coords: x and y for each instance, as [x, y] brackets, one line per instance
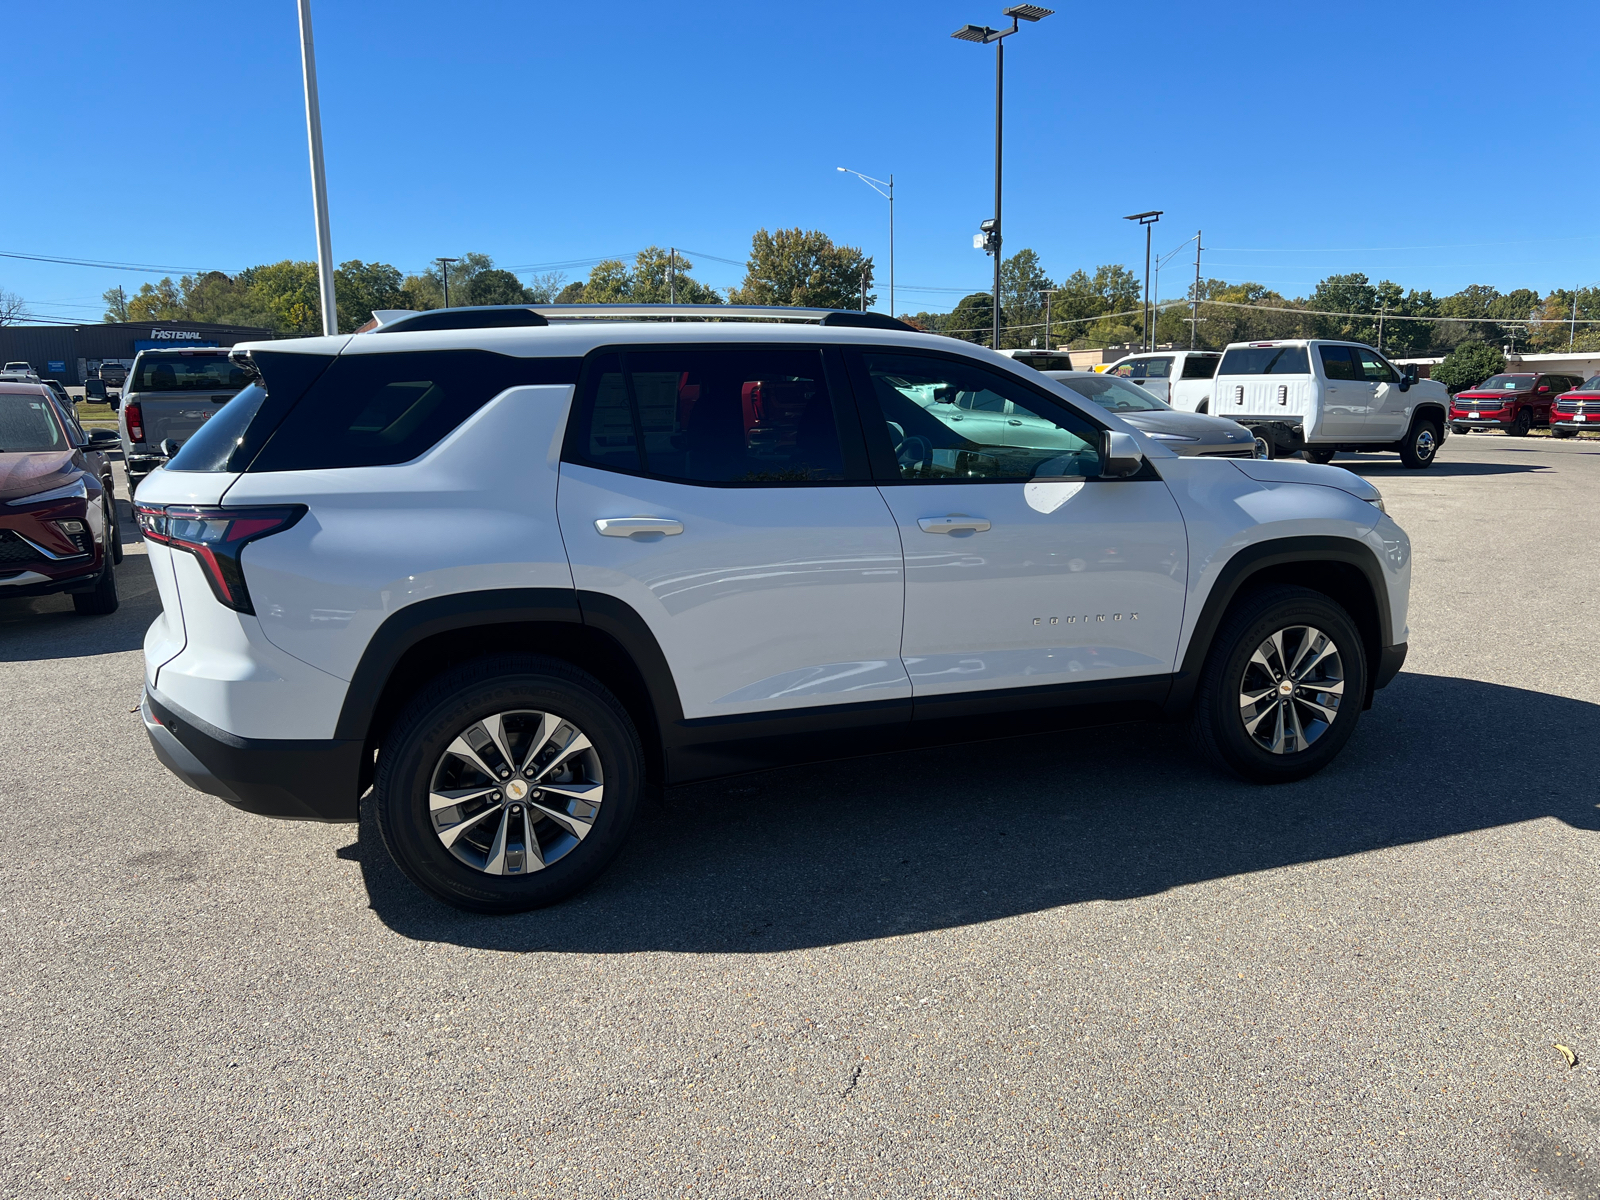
[1070, 965]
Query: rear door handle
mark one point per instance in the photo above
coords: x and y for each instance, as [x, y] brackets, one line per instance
[637, 526]
[954, 523]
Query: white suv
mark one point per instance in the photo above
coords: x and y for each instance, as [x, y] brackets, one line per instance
[511, 568]
[1321, 397]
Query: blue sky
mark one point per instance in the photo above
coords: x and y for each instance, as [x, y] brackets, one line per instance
[1438, 145]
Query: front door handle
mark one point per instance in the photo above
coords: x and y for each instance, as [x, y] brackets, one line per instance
[1013, 422]
[954, 523]
[637, 526]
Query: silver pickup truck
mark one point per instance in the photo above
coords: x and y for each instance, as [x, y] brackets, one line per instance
[170, 394]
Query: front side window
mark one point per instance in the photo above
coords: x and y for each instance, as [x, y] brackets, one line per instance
[1265, 360]
[1373, 368]
[1159, 368]
[1130, 370]
[1337, 363]
[731, 416]
[948, 421]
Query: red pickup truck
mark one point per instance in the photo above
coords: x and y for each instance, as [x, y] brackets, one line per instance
[1577, 410]
[1515, 402]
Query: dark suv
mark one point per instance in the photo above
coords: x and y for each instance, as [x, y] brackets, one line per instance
[1515, 402]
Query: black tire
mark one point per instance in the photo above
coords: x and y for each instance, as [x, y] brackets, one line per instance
[1319, 456]
[1217, 723]
[114, 529]
[101, 602]
[133, 483]
[1264, 447]
[1461, 430]
[1563, 433]
[454, 704]
[1421, 444]
[1521, 426]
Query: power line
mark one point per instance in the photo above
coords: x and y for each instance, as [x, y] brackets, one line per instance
[1588, 237]
[147, 268]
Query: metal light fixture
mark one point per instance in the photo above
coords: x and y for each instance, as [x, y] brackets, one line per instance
[1147, 219]
[878, 185]
[991, 239]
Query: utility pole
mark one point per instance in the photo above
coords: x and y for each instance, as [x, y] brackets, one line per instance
[1048, 294]
[444, 276]
[319, 175]
[1194, 304]
[1382, 312]
[1572, 338]
[672, 274]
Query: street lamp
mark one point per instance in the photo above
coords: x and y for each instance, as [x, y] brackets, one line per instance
[1147, 219]
[444, 276]
[878, 185]
[990, 241]
[319, 175]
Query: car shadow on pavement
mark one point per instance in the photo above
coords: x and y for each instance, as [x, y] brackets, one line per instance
[960, 835]
[47, 627]
[1440, 469]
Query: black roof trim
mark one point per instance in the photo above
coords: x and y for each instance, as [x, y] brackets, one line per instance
[865, 320]
[486, 316]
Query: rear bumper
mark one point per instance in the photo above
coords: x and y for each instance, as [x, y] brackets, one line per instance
[294, 780]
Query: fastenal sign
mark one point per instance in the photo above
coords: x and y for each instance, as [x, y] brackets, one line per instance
[174, 335]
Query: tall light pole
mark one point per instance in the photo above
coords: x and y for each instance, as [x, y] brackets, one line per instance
[990, 240]
[878, 185]
[1147, 219]
[319, 175]
[1194, 304]
[444, 276]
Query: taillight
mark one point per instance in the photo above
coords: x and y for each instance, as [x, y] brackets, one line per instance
[216, 537]
[135, 422]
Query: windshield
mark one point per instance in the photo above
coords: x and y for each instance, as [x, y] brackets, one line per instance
[26, 424]
[1113, 394]
[1265, 360]
[1505, 383]
[1045, 362]
[188, 373]
[1589, 385]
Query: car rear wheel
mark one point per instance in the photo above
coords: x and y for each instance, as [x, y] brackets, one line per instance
[1319, 456]
[1282, 687]
[1460, 430]
[1421, 444]
[508, 784]
[1521, 426]
[113, 530]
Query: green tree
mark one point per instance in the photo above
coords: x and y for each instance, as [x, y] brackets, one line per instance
[609, 283]
[543, 289]
[572, 293]
[161, 301]
[493, 286]
[972, 320]
[650, 283]
[1468, 365]
[362, 287]
[803, 268]
[1022, 299]
[116, 304]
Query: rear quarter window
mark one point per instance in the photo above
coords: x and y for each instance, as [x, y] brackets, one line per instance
[1201, 366]
[370, 410]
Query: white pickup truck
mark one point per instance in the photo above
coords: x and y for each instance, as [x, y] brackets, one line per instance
[1181, 378]
[168, 395]
[1321, 397]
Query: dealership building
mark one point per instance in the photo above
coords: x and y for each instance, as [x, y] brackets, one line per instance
[73, 353]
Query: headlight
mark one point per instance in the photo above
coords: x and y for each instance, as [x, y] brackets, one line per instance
[76, 490]
[1377, 501]
[1171, 437]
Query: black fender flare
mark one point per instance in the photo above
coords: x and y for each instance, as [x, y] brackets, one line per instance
[1248, 563]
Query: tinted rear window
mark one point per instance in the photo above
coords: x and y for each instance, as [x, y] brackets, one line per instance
[1200, 366]
[1265, 360]
[1045, 362]
[186, 373]
[369, 410]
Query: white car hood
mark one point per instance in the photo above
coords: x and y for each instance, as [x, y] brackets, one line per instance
[1270, 470]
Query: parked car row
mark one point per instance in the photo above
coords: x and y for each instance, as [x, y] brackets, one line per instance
[1516, 403]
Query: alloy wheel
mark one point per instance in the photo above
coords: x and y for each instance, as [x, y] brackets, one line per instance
[1426, 443]
[515, 792]
[1291, 690]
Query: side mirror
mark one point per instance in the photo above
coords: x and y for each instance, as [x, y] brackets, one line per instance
[103, 437]
[1120, 455]
[170, 447]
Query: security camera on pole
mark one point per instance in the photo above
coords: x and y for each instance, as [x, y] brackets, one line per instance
[989, 239]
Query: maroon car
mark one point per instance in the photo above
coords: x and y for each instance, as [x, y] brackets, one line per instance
[58, 530]
[1515, 402]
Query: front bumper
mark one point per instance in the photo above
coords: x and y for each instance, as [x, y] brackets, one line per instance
[40, 557]
[294, 780]
[1480, 422]
[1390, 660]
[1593, 423]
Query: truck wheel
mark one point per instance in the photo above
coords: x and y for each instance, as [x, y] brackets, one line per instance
[1319, 456]
[1563, 433]
[115, 528]
[1264, 447]
[101, 602]
[1421, 444]
[509, 783]
[1520, 427]
[1282, 687]
[1460, 430]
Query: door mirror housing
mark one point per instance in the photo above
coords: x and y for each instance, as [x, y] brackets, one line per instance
[170, 447]
[103, 437]
[1120, 455]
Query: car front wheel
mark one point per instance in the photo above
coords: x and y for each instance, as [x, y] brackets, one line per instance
[1521, 426]
[508, 784]
[1421, 444]
[1282, 688]
[1319, 456]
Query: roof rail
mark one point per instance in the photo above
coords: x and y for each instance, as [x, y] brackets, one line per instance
[499, 316]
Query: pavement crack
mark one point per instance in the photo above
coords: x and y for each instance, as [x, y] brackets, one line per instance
[855, 1078]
